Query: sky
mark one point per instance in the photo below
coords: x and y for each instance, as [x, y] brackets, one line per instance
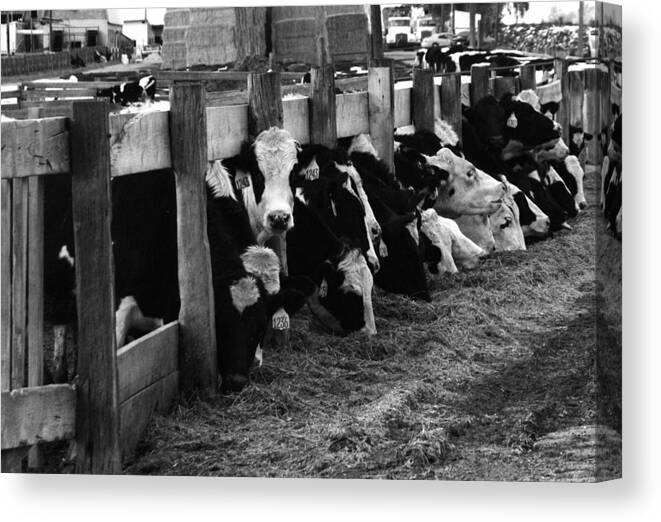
[154, 15]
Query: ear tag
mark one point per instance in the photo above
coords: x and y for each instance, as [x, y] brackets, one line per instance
[512, 122]
[242, 180]
[323, 288]
[383, 249]
[311, 172]
[280, 320]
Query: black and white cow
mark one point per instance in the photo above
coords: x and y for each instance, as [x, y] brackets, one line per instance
[142, 90]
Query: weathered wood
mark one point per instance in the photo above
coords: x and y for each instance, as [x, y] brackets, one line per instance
[593, 114]
[323, 119]
[480, 87]
[503, 84]
[67, 85]
[170, 77]
[5, 310]
[139, 142]
[227, 129]
[381, 103]
[31, 147]
[136, 412]
[147, 359]
[376, 33]
[264, 102]
[605, 101]
[576, 94]
[59, 363]
[38, 414]
[352, 114]
[59, 94]
[527, 78]
[422, 99]
[19, 271]
[188, 143]
[451, 101]
[35, 292]
[296, 119]
[562, 116]
[97, 415]
[402, 107]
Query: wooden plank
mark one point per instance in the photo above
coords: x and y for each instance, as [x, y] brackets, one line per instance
[19, 250]
[34, 147]
[422, 99]
[323, 119]
[65, 84]
[264, 102]
[504, 84]
[60, 94]
[381, 102]
[451, 101]
[576, 94]
[295, 119]
[227, 129]
[97, 413]
[147, 359]
[35, 291]
[480, 88]
[352, 114]
[188, 138]
[202, 76]
[38, 414]
[136, 412]
[5, 323]
[376, 32]
[593, 114]
[403, 114]
[139, 142]
[527, 78]
[562, 116]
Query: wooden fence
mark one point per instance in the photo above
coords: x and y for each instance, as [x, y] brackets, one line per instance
[21, 64]
[117, 391]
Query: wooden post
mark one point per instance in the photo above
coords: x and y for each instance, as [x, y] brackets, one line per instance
[323, 120]
[198, 360]
[593, 114]
[376, 35]
[503, 84]
[527, 77]
[451, 101]
[19, 254]
[480, 88]
[422, 99]
[562, 117]
[97, 405]
[264, 102]
[381, 107]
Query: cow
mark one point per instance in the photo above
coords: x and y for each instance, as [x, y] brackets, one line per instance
[439, 61]
[261, 175]
[125, 93]
[454, 248]
[611, 180]
[477, 228]
[506, 226]
[534, 223]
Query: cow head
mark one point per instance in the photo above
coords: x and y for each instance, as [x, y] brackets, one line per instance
[466, 190]
[506, 226]
[478, 229]
[456, 248]
[534, 223]
[577, 140]
[524, 124]
[269, 200]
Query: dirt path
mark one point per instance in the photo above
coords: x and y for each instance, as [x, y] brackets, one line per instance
[496, 379]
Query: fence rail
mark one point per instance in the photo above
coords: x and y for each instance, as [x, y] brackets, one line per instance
[21, 64]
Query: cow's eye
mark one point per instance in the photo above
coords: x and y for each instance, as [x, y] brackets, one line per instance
[470, 173]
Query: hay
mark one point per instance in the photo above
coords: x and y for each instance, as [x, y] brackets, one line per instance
[469, 386]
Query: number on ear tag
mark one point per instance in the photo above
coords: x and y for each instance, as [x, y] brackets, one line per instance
[311, 172]
[512, 122]
[281, 320]
[242, 180]
[323, 288]
[383, 249]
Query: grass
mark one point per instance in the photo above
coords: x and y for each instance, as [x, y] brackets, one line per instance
[498, 378]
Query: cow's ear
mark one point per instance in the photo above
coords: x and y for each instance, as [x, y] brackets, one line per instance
[587, 137]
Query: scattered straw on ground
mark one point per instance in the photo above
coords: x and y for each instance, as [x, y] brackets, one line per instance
[496, 379]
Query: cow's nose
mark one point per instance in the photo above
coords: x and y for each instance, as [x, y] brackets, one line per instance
[376, 232]
[279, 220]
[583, 205]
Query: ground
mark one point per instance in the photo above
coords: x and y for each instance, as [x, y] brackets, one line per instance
[498, 378]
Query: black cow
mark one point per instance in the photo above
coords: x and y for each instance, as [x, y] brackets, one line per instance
[439, 61]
